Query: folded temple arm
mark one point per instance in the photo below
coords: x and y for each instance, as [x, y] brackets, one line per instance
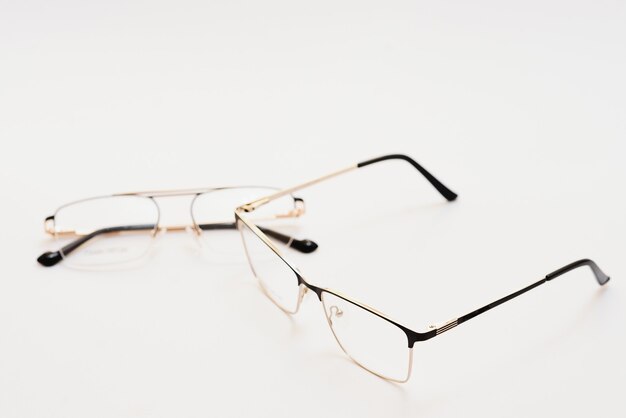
[51, 258]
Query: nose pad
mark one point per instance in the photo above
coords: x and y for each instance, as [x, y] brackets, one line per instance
[194, 232]
[334, 311]
[303, 291]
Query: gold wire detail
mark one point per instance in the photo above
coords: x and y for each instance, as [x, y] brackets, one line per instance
[447, 326]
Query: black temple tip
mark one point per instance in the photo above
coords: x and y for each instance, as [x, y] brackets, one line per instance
[49, 259]
[600, 276]
[449, 194]
[441, 188]
[304, 245]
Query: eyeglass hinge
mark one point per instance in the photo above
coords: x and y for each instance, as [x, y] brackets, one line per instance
[445, 327]
[250, 207]
[298, 210]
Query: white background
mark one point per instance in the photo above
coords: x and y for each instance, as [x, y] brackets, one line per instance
[517, 107]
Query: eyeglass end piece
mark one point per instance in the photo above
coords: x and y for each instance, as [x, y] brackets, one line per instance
[49, 259]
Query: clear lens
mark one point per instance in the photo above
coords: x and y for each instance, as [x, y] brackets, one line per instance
[370, 340]
[213, 214]
[277, 279]
[106, 231]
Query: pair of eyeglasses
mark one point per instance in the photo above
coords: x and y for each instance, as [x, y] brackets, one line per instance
[371, 339]
[119, 230]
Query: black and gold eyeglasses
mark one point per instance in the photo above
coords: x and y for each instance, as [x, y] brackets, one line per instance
[118, 230]
[371, 339]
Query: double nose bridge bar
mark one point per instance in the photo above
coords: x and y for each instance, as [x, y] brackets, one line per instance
[175, 211]
[191, 224]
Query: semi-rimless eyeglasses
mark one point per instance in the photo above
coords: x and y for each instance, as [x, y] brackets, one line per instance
[371, 339]
[118, 230]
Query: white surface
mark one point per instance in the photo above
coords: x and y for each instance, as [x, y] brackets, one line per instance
[517, 107]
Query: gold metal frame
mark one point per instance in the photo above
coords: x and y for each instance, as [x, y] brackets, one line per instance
[273, 248]
[49, 258]
[249, 207]
[304, 285]
[377, 313]
[412, 336]
[50, 227]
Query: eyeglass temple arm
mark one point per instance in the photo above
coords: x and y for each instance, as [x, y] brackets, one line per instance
[441, 188]
[447, 193]
[600, 276]
[51, 258]
[303, 245]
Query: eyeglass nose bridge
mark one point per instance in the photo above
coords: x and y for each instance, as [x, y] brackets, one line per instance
[192, 229]
[304, 288]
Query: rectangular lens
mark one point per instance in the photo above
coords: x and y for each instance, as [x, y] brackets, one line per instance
[106, 230]
[372, 341]
[278, 280]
